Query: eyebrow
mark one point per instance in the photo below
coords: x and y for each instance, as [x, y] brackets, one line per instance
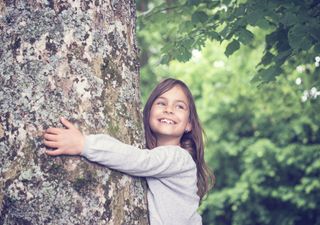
[174, 100]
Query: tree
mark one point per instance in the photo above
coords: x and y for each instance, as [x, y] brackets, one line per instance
[77, 59]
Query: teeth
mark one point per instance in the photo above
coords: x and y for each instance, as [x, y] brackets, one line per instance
[166, 121]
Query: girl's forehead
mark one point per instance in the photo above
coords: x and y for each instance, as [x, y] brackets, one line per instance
[176, 93]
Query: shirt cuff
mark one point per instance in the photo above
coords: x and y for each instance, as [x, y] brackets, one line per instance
[87, 142]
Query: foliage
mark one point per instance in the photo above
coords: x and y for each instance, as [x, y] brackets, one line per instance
[263, 142]
[291, 30]
[267, 156]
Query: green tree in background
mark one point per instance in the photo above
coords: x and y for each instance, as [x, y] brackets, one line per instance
[291, 29]
[264, 146]
[262, 142]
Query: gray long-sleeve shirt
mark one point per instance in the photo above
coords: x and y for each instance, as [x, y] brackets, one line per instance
[170, 172]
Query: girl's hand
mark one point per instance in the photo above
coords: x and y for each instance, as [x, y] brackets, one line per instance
[68, 141]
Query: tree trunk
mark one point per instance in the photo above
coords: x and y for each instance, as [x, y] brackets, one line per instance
[77, 59]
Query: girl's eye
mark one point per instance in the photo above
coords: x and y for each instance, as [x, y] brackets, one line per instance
[160, 103]
[180, 107]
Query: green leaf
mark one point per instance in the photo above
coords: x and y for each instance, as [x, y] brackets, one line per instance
[254, 16]
[167, 47]
[271, 39]
[199, 42]
[186, 26]
[245, 36]
[199, 17]
[214, 35]
[226, 2]
[165, 59]
[232, 47]
[212, 4]
[267, 75]
[239, 11]
[317, 48]
[226, 33]
[298, 38]
[282, 56]
[183, 54]
[264, 24]
[290, 18]
[315, 34]
[266, 59]
[193, 2]
[282, 40]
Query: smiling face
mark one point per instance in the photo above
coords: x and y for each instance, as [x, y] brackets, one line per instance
[169, 116]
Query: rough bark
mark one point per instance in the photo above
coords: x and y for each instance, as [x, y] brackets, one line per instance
[77, 59]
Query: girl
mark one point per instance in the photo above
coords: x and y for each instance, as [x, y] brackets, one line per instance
[175, 170]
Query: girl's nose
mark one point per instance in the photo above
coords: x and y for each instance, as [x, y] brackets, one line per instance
[168, 109]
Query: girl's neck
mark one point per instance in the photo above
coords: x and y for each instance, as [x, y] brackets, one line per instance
[161, 141]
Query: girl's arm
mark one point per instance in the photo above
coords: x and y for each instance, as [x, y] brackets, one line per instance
[159, 162]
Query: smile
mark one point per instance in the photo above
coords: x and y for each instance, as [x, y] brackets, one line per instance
[167, 121]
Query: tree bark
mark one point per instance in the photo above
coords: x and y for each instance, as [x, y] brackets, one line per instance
[77, 59]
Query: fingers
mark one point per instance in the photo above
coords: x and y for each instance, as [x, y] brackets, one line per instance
[51, 144]
[55, 152]
[64, 141]
[50, 137]
[53, 130]
[66, 123]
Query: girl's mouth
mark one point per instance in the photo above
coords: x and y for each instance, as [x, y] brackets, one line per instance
[167, 121]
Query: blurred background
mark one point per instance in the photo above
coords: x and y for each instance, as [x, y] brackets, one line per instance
[253, 68]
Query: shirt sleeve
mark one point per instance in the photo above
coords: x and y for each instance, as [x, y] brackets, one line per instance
[162, 161]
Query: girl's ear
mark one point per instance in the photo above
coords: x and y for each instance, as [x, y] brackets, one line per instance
[188, 127]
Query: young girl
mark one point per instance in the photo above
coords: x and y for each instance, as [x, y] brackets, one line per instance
[173, 162]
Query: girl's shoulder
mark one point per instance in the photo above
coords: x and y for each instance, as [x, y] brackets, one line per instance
[176, 148]
[174, 151]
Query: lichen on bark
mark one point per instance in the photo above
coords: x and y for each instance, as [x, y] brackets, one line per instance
[76, 59]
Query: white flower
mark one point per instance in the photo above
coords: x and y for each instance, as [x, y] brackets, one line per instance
[317, 63]
[317, 58]
[298, 81]
[304, 98]
[313, 91]
[301, 68]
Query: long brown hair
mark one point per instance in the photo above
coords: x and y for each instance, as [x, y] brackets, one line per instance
[191, 141]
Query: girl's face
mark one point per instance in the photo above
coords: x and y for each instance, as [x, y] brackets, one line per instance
[169, 116]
